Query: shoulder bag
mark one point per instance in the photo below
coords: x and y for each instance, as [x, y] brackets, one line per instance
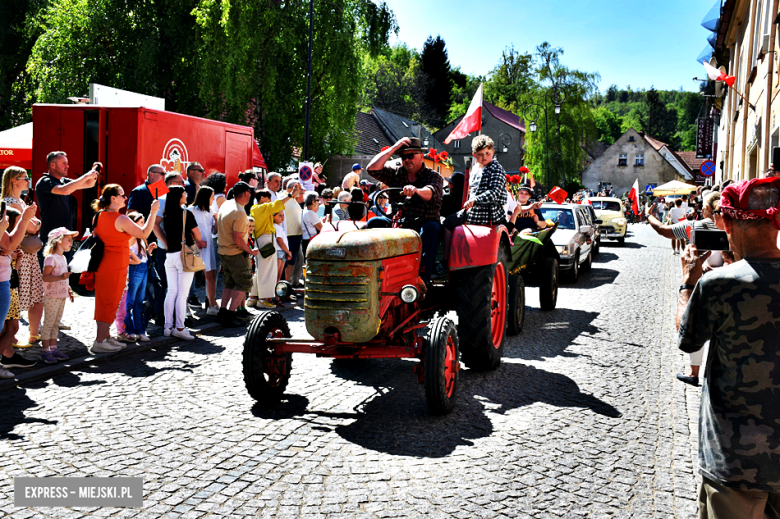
[191, 259]
[87, 258]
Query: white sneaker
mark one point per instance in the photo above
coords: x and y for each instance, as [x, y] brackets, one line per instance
[183, 334]
[167, 332]
[103, 347]
[144, 338]
[213, 310]
[116, 342]
[4, 373]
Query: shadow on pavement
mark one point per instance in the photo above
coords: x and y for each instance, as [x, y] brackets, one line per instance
[592, 279]
[604, 257]
[14, 403]
[396, 420]
[548, 334]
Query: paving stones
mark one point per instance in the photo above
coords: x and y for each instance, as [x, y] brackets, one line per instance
[583, 419]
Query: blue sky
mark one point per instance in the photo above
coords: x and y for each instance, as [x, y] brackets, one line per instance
[628, 42]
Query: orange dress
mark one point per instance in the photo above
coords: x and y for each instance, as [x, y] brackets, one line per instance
[111, 276]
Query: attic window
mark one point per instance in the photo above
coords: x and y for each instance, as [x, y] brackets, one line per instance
[456, 145]
[623, 160]
[631, 138]
[404, 123]
[376, 141]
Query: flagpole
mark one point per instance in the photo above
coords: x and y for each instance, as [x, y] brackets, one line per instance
[744, 98]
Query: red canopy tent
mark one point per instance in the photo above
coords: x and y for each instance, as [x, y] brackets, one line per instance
[16, 147]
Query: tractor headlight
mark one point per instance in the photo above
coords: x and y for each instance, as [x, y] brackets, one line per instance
[409, 294]
[283, 289]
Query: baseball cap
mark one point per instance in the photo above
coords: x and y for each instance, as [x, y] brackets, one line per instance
[356, 167]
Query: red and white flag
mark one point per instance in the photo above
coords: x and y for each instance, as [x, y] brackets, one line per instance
[717, 75]
[633, 195]
[471, 122]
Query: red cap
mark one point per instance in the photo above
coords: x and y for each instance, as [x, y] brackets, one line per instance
[735, 197]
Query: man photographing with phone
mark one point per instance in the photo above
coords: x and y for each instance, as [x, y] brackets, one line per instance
[736, 308]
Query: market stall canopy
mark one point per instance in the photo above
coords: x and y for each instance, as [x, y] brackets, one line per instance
[257, 158]
[675, 187]
[16, 147]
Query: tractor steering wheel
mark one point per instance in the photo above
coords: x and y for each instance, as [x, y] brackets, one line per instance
[394, 207]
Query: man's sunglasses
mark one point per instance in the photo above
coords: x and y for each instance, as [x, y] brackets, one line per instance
[408, 156]
[193, 169]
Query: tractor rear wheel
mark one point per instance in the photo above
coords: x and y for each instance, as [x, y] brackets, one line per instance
[266, 374]
[516, 311]
[548, 284]
[441, 364]
[482, 308]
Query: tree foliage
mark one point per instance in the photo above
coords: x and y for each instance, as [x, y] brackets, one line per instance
[253, 57]
[435, 65]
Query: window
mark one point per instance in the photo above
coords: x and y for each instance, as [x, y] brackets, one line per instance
[456, 145]
[756, 35]
[640, 160]
[622, 160]
[630, 138]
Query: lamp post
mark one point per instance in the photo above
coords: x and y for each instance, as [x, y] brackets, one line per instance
[307, 117]
[531, 113]
[503, 142]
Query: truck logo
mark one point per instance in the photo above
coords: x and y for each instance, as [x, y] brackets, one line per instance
[175, 157]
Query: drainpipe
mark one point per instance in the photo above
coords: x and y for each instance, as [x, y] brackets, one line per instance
[769, 98]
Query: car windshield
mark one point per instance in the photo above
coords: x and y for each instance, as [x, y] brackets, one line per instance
[563, 216]
[604, 205]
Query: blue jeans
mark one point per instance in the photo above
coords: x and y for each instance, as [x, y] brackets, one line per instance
[136, 292]
[5, 301]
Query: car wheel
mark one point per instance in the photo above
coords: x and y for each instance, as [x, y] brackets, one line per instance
[574, 272]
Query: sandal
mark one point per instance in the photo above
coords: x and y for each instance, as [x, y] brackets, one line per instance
[34, 339]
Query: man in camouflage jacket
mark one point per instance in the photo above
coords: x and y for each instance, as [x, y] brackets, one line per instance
[737, 308]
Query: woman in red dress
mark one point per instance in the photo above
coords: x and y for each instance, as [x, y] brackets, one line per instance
[115, 230]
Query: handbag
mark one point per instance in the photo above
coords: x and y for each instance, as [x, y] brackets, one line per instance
[267, 249]
[87, 258]
[31, 244]
[191, 259]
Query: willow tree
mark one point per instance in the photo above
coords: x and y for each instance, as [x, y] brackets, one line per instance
[566, 134]
[253, 59]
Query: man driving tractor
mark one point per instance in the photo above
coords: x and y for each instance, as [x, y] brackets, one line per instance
[423, 185]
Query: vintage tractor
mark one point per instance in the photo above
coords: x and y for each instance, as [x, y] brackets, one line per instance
[364, 298]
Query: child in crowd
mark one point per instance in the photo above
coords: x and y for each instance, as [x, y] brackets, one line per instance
[267, 269]
[135, 324]
[282, 251]
[55, 290]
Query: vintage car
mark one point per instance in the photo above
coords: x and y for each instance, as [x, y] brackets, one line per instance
[573, 238]
[613, 220]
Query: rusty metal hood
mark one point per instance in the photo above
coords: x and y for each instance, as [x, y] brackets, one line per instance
[363, 245]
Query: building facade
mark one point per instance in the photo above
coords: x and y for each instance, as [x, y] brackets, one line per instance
[746, 47]
[635, 156]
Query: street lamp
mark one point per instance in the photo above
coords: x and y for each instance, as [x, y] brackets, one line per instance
[506, 139]
[532, 114]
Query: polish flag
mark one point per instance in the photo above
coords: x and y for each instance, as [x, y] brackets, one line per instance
[717, 75]
[471, 122]
[633, 195]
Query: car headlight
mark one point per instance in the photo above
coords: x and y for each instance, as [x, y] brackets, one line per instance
[619, 221]
[562, 249]
[409, 294]
[283, 289]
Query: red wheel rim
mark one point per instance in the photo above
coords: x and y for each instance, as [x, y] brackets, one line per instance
[498, 305]
[450, 367]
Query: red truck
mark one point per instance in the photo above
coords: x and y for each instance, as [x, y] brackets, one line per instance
[128, 140]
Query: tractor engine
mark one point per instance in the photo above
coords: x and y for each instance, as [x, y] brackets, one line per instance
[359, 282]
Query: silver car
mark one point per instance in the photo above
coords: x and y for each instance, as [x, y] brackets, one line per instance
[574, 237]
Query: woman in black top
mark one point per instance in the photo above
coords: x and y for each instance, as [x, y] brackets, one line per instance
[179, 282]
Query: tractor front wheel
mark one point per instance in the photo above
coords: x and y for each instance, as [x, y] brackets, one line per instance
[266, 373]
[441, 363]
[548, 284]
[482, 308]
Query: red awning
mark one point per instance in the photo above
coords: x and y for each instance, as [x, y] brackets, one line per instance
[16, 147]
[257, 158]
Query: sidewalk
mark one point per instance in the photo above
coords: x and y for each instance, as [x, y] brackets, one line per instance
[74, 342]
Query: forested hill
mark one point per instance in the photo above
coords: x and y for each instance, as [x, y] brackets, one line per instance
[668, 115]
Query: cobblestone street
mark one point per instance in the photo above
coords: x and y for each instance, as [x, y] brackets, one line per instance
[583, 419]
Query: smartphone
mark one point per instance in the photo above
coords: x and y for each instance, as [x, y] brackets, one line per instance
[2, 209]
[776, 158]
[710, 240]
[98, 168]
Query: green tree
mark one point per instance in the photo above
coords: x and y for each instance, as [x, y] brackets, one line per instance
[608, 125]
[569, 130]
[510, 80]
[18, 33]
[146, 47]
[659, 121]
[253, 68]
[435, 65]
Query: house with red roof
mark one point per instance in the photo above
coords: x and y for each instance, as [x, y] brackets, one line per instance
[505, 128]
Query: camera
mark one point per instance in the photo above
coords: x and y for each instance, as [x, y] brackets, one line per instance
[710, 240]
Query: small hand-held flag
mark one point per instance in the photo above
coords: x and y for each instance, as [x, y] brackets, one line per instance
[558, 195]
[158, 188]
[471, 122]
[633, 195]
